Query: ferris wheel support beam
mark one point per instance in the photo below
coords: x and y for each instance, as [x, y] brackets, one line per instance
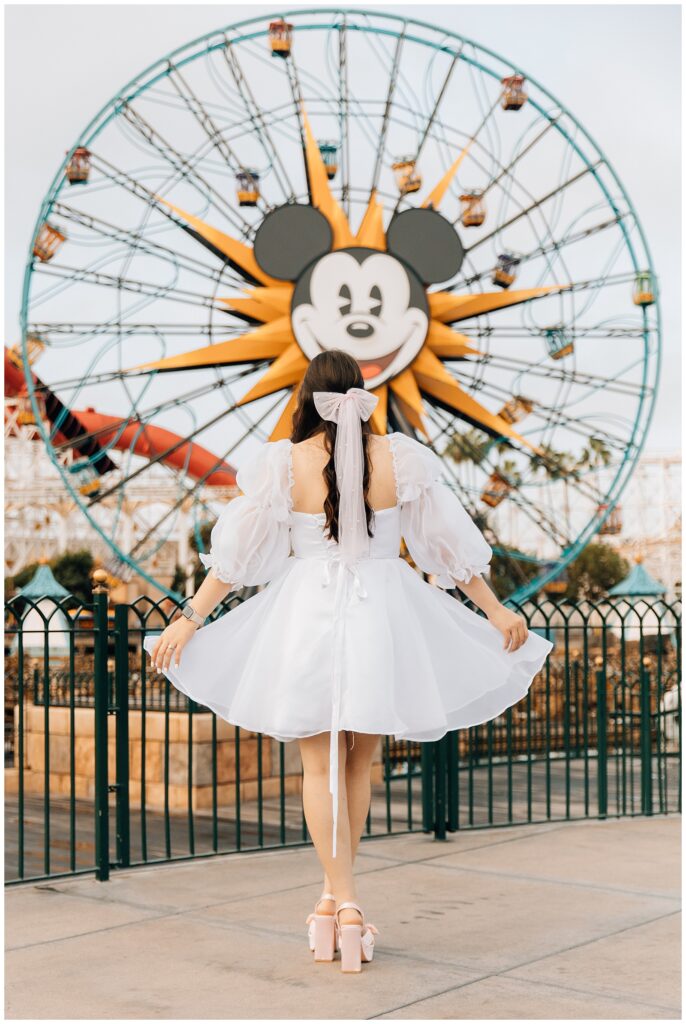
[124, 480]
[553, 415]
[533, 206]
[297, 97]
[255, 113]
[543, 250]
[205, 121]
[140, 192]
[344, 114]
[106, 230]
[387, 110]
[432, 117]
[513, 163]
[136, 416]
[183, 167]
[170, 293]
[572, 376]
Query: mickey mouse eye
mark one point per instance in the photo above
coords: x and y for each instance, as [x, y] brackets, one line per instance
[345, 299]
[375, 301]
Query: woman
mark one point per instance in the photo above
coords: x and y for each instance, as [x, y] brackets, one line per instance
[347, 643]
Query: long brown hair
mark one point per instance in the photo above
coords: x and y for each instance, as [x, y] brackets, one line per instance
[333, 370]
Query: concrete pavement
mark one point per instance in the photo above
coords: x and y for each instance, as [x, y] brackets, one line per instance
[565, 921]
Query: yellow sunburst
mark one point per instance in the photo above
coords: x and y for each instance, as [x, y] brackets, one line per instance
[267, 301]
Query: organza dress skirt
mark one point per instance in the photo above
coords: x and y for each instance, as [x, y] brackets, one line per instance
[372, 648]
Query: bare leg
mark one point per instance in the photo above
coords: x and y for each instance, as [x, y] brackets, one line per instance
[314, 751]
[359, 754]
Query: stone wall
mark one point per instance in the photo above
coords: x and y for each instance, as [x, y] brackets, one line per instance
[150, 778]
[152, 774]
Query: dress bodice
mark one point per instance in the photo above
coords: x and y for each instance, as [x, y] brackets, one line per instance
[309, 540]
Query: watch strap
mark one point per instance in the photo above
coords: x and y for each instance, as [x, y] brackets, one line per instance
[190, 613]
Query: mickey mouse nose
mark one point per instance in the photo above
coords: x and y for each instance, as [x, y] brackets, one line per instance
[359, 329]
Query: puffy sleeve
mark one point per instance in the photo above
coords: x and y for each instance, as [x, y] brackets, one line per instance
[250, 541]
[441, 536]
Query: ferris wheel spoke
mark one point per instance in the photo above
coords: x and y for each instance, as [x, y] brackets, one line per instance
[164, 453]
[534, 206]
[136, 240]
[255, 113]
[447, 427]
[170, 292]
[194, 489]
[151, 200]
[429, 123]
[124, 328]
[390, 91]
[121, 423]
[344, 113]
[184, 167]
[593, 381]
[580, 331]
[507, 170]
[553, 416]
[545, 249]
[205, 121]
[547, 523]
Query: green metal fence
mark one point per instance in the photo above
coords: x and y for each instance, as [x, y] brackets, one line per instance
[109, 766]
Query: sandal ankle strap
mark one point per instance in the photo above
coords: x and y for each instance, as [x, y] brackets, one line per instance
[349, 905]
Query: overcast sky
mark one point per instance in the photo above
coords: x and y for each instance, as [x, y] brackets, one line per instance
[617, 68]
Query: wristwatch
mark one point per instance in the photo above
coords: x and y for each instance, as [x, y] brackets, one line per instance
[189, 613]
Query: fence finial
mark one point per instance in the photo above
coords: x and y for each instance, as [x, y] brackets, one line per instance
[100, 581]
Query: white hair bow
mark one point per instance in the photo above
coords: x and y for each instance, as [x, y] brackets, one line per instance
[348, 409]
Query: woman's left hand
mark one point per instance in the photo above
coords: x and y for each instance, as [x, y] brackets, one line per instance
[511, 625]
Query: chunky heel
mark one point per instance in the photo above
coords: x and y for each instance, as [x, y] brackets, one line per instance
[323, 937]
[321, 933]
[356, 941]
[351, 948]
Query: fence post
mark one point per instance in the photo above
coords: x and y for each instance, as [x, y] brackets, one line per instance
[101, 709]
[601, 731]
[427, 770]
[440, 777]
[453, 781]
[121, 699]
[646, 742]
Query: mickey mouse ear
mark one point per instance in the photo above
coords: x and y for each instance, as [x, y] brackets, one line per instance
[428, 242]
[289, 238]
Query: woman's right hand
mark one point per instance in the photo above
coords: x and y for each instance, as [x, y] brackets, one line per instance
[177, 633]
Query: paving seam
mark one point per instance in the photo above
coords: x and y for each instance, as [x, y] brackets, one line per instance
[506, 971]
[553, 881]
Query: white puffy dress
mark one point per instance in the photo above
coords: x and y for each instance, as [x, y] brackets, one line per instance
[371, 648]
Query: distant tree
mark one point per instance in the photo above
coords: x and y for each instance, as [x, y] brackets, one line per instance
[178, 583]
[597, 568]
[200, 570]
[72, 570]
[509, 573]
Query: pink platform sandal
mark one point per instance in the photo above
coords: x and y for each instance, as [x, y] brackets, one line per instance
[356, 941]
[322, 931]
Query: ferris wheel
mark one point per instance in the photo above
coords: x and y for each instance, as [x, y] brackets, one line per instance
[356, 180]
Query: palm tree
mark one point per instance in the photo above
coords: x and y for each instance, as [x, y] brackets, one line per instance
[595, 455]
[472, 446]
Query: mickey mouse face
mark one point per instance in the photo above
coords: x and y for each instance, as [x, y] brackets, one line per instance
[366, 303]
[369, 303]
